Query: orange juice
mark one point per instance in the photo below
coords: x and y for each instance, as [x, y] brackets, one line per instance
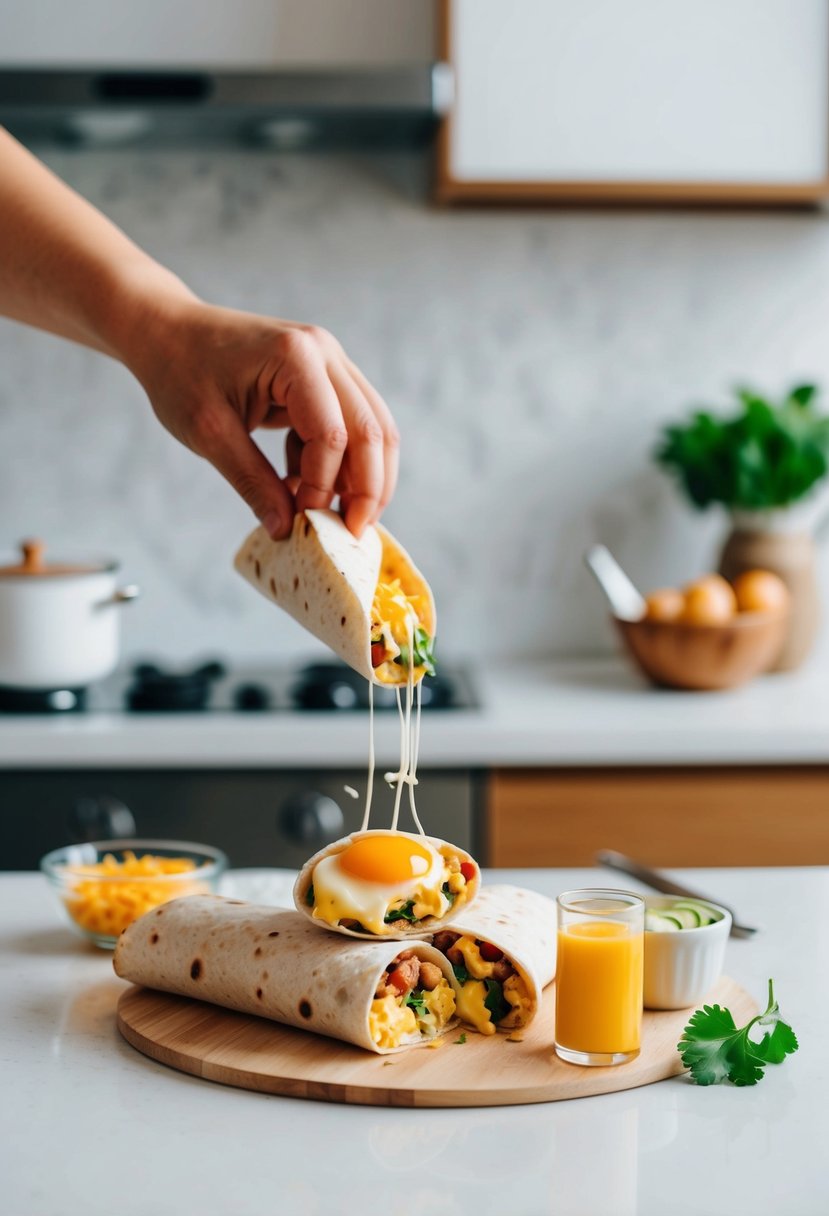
[599, 986]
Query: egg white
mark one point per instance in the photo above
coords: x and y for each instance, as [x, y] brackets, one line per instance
[339, 895]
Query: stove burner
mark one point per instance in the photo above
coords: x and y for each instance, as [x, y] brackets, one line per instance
[168, 691]
[42, 700]
[333, 686]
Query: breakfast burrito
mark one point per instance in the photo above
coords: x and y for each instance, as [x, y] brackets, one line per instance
[386, 884]
[273, 963]
[365, 598]
[503, 953]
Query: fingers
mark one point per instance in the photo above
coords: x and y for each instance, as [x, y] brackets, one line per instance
[364, 460]
[220, 436]
[302, 385]
[343, 437]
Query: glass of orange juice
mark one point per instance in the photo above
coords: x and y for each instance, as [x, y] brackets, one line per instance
[599, 971]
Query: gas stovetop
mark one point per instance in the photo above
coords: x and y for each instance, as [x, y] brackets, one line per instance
[217, 686]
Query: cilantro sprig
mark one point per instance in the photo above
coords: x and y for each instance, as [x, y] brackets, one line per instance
[715, 1050]
[416, 1000]
[423, 652]
[461, 973]
[495, 1002]
[404, 912]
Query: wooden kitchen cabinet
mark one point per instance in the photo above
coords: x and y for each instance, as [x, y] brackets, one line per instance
[706, 102]
[661, 816]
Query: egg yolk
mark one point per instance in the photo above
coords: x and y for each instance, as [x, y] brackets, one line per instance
[385, 859]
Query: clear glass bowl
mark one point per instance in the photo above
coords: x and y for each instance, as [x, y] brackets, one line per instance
[99, 901]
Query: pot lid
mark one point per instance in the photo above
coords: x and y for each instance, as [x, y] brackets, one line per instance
[32, 563]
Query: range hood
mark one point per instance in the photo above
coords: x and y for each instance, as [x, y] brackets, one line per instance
[385, 107]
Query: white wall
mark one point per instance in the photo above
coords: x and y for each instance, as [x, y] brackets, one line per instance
[530, 359]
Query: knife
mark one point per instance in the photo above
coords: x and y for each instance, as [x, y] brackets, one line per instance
[658, 882]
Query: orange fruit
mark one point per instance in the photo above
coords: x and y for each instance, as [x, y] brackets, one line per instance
[761, 591]
[664, 604]
[709, 601]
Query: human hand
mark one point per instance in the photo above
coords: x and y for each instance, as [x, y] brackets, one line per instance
[214, 375]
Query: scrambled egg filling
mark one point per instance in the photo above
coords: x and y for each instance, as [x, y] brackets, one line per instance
[394, 618]
[473, 993]
[391, 1021]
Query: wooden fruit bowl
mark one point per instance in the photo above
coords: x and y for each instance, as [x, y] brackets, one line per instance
[677, 655]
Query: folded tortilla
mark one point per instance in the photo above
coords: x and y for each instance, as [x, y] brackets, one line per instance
[271, 962]
[326, 579]
[521, 925]
[399, 928]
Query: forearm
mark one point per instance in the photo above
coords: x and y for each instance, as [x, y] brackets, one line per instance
[67, 269]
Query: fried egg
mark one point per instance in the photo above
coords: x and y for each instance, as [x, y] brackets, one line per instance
[376, 872]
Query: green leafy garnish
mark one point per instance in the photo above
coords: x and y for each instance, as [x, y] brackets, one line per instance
[450, 895]
[715, 1050]
[494, 1001]
[461, 973]
[403, 913]
[461, 1039]
[415, 1000]
[767, 455]
[309, 896]
[423, 652]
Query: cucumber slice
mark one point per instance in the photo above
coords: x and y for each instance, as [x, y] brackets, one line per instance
[659, 922]
[706, 916]
[688, 918]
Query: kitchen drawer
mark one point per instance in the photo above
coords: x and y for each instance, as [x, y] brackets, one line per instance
[664, 817]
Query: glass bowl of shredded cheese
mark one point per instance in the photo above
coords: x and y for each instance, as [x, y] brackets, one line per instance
[105, 885]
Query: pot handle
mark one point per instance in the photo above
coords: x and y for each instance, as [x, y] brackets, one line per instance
[123, 595]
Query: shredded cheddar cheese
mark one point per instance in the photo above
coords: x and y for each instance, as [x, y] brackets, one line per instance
[102, 902]
[395, 616]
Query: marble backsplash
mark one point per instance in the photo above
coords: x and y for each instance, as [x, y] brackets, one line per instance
[530, 358]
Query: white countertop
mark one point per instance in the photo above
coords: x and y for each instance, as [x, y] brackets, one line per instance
[89, 1126]
[591, 712]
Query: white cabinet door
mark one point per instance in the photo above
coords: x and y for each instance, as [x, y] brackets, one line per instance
[200, 33]
[676, 99]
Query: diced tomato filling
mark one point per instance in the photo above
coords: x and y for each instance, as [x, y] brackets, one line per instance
[490, 953]
[378, 653]
[468, 870]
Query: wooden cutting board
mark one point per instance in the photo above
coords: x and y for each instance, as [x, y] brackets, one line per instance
[253, 1053]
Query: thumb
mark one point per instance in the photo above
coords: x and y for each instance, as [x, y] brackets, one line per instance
[253, 477]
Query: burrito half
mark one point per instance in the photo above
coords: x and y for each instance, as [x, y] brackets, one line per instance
[386, 884]
[365, 598]
[503, 953]
[273, 963]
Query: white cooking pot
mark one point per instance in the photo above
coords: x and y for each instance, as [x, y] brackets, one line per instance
[58, 622]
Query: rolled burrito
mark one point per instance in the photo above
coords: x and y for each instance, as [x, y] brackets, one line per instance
[386, 884]
[503, 954]
[271, 962]
[364, 598]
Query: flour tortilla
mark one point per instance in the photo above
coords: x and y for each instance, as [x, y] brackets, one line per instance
[325, 578]
[266, 961]
[399, 929]
[522, 925]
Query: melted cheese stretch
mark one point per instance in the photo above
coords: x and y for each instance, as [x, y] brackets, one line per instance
[391, 1023]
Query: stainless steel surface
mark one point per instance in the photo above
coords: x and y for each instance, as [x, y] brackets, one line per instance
[658, 882]
[259, 818]
[625, 600]
[397, 106]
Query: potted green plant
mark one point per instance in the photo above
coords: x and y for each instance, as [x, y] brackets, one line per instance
[766, 465]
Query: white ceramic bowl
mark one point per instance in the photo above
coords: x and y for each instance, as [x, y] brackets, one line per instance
[682, 967]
